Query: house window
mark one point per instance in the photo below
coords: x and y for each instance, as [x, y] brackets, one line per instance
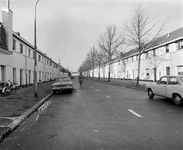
[147, 73]
[137, 57]
[179, 45]
[167, 70]
[146, 54]
[14, 44]
[29, 52]
[33, 54]
[167, 48]
[21, 48]
[180, 70]
[39, 58]
[154, 52]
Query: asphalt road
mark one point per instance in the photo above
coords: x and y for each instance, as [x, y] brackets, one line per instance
[101, 117]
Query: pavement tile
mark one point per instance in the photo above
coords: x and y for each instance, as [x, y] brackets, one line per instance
[15, 105]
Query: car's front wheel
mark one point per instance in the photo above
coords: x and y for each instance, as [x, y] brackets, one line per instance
[177, 99]
[150, 94]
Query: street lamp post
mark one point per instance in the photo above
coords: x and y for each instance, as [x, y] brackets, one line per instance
[35, 55]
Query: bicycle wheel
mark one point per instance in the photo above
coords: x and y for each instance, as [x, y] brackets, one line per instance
[13, 91]
[6, 93]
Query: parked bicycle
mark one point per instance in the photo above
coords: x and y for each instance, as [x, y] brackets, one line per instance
[9, 88]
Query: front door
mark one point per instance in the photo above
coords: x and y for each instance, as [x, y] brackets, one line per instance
[161, 88]
[2, 72]
[21, 77]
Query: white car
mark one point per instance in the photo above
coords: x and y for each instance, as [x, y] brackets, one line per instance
[168, 86]
[63, 83]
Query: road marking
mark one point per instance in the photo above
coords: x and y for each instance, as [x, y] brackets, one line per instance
[44, 106]
[22, 129]
[134, 113]
[37, 117]
[107, 96]
[97, 90]
[96, 130]
[169, 110]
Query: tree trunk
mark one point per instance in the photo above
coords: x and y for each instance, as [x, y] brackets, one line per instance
[109, 72]
[99, 73]
[104, 73]
[138, 76]
[93, 74]
[155, 78]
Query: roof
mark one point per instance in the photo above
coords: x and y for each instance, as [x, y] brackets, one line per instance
[165, 39]
[173, 76]
[171, 36]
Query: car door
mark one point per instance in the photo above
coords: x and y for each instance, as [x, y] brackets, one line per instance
[173, 85]
[161, 86]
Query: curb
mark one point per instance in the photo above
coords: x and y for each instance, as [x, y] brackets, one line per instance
[16, 122]
[130, 87]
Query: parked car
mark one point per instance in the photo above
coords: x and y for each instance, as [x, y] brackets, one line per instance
[63, 83]
[168, 86]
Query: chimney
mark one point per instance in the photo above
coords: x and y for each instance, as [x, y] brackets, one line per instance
[7, 21]
[18, 33]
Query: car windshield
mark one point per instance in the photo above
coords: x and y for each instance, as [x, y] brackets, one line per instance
[63, 79]
[181, 78]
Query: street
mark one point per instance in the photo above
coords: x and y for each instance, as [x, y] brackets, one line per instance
[100, 116]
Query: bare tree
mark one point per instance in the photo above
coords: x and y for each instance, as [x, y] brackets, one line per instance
[123, 65]
[101, 59]
[139, 32]
[92, 59]
[110, 42]
[85, 67]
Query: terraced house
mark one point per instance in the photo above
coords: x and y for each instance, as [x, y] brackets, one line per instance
[165, 57]
[17, 56]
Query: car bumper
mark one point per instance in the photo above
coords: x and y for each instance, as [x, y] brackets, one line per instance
[61, 88]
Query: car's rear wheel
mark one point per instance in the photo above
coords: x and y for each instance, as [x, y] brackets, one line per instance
[70, 91]
[177, 99]
[150, 94]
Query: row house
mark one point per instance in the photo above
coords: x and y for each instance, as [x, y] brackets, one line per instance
[164, 57]
[17, 56]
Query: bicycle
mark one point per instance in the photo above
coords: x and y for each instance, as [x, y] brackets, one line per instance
[80, 82]
[9, 89]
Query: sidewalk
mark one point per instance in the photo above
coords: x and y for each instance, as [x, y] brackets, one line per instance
[14, 108]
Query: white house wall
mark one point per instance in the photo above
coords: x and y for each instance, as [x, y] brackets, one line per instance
[128, 68]
[17, 65]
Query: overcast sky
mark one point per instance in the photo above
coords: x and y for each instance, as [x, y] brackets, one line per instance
[68, 29]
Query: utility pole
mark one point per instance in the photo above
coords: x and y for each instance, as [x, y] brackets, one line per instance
[35, 56]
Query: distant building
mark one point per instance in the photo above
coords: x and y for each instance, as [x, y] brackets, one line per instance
[17, 56]
[164, 57]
